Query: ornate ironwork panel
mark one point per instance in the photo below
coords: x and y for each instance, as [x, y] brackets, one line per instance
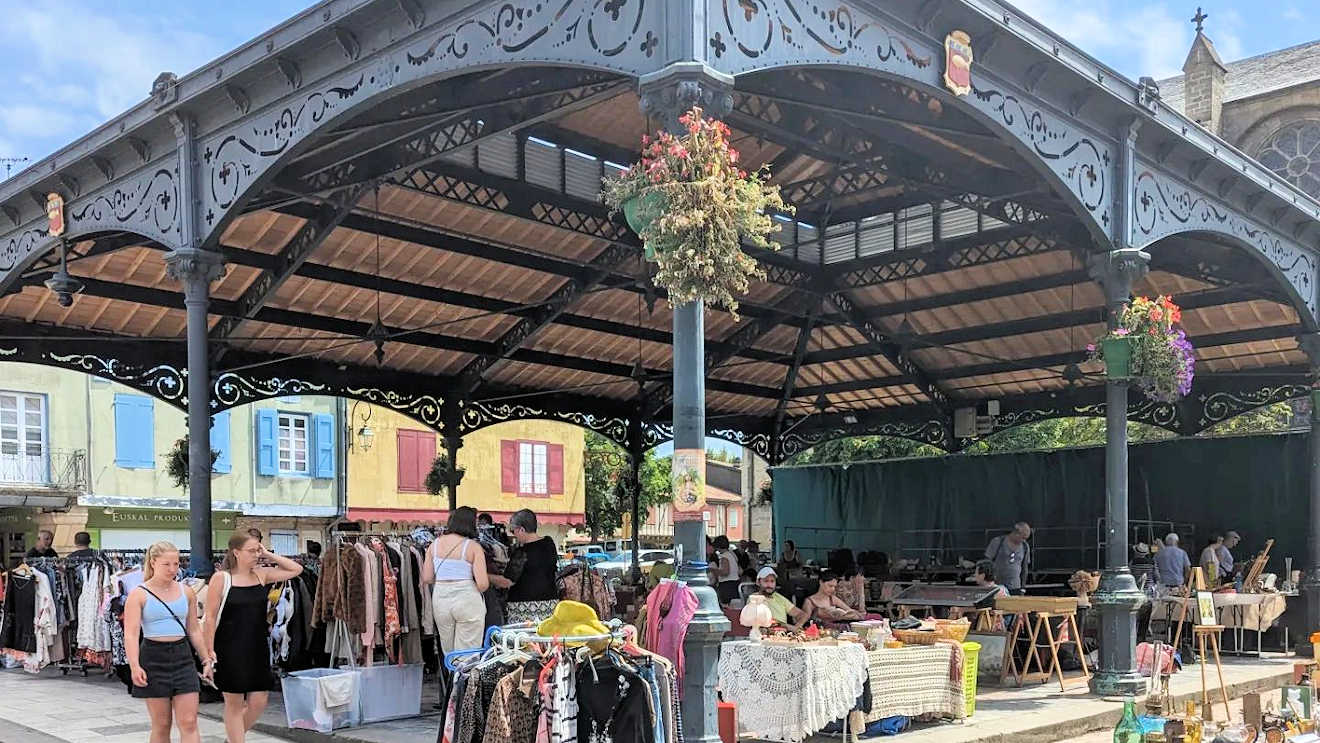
[157, 372]
[478, 415]
[620, 35]
[1163, 206]
[750, 35]
[932, 432]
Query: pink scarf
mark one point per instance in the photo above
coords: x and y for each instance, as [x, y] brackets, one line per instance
[671, 627]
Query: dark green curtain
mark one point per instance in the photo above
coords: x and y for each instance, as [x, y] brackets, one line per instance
[1255, 485]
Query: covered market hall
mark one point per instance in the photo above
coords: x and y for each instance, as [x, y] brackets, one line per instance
[398, 201]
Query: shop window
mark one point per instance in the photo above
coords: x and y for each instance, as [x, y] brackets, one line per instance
[416, 453]
[284, 542]
[23, 438]
[135, 431]
[531, 468]
[733, 518]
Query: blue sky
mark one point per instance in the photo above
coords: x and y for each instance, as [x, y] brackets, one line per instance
[69, 65]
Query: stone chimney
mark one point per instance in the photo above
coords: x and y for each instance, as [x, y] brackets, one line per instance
[1203, 84]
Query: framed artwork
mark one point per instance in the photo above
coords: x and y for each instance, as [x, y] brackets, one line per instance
[1205, 603]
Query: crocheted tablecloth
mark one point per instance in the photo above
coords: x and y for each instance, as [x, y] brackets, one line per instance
[788, 693]
[914, 680]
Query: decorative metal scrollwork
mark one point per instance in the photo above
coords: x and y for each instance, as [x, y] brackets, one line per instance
[1162, 207]
[425, 408]
[231, 390]
[478, 415]
[19, 247]
[161, 380]
[1218, 407]
[147, 206]
[927, 432]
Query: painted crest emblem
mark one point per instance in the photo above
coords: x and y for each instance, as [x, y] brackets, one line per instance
[55, 214]
[958, 62]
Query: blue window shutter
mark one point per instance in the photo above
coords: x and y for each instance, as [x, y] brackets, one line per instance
[220, 442]
[135, 431]
[325, 445]
[266, 442]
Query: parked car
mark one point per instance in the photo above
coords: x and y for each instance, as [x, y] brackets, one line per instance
[619, 566]
[591, 553]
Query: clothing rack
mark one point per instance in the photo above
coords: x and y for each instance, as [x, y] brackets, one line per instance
[67, 634]
[518, 636]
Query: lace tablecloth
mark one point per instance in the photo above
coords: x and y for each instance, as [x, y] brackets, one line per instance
[915, 680]
[1253, 611]
[788, 693]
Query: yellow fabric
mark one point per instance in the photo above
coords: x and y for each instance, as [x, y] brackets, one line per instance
[572, 618]
[780, 606]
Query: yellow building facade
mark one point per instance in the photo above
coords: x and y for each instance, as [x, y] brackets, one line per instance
[532, 464]
[54, 421]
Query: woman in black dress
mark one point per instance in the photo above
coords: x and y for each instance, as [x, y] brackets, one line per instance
[236, 630]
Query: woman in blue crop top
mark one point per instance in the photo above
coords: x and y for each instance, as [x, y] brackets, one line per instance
[160, 620]
[456, 570]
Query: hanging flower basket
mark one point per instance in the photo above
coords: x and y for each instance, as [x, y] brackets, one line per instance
[437, 480]
[1149, 347]
[694, 208]
[176, 463]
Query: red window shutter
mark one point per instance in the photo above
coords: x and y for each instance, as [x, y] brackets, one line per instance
[508, 466]
[407, 460]
[425, 445]
[554, 468]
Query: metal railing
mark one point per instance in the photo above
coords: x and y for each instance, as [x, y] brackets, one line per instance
[52, 469]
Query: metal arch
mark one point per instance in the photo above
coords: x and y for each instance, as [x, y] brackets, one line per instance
[1163, 206]
[614, 37]
[161, 376]
[230, 390]
[770, 34]
[929, 432]
[144, 203]
[476, 415]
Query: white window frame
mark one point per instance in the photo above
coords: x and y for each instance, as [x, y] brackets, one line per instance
[284, 538]
[19, 466]
[287, 426]
[733, 519]
[533, 468]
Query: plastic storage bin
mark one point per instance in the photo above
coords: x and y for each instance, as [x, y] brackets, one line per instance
[312, 699]
[390, 692]
[973, 652]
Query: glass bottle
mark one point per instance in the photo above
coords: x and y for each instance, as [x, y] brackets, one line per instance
[1128, 729]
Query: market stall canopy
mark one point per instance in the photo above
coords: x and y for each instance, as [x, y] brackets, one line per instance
[407, 204]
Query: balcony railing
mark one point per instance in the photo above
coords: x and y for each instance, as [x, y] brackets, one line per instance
[54, 470]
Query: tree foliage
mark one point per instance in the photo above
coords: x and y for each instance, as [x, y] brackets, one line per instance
[1056, 433]
[608, 493]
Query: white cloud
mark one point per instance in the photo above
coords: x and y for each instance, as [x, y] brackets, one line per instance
[1150, 40]
[28, 120]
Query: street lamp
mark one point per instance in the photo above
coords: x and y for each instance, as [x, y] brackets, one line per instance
[364, 435]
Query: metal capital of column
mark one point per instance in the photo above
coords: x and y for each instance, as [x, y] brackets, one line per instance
[669, 93]
[191, 266]
[1117, 271]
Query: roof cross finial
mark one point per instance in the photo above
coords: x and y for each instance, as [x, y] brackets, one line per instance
[1199, 19]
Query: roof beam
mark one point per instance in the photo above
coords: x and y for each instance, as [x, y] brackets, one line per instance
[291, 257]
[474, 374]
[790, 379]
[882, 345]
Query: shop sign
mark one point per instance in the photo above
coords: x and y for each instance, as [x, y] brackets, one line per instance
[958, 62]
[54, 214]
[154, 518]
[21, 519]
[688, 473]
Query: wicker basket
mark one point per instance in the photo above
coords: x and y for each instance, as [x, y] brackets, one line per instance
[955, 630]
[916, 636]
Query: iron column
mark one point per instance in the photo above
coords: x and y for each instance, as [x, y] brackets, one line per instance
[1310, 587]
[665, 96]
[195, 269]
[636, 452]
[1118, 597]
[453, 442]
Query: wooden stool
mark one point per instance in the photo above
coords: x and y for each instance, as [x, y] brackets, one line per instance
[1200, 633]
[1041, 630]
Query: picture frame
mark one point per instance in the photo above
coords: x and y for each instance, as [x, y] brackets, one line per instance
[1205, 604]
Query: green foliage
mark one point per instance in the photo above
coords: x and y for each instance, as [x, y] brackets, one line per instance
[608, 495]
[437, 480]
[700, 207]
[1056, 433]
[176, 463]
[723, 455]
